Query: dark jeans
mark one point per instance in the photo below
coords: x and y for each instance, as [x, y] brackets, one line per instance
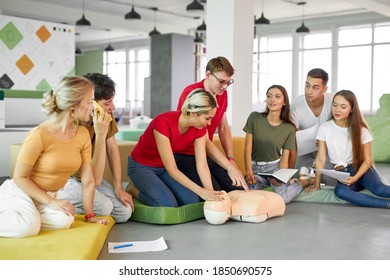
[370, 181]
[157, 188]
[219, 176]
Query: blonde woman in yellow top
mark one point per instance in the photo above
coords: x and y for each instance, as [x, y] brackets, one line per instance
[51, 152]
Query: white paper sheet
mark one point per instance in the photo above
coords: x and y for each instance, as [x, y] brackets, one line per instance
[138, 246]
[306, 140]
[339, 175]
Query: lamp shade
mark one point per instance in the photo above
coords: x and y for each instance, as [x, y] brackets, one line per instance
[109, 48]
[83, 22]
[262, 20]
[132, 14]
[194, 6]
[154, 32]
[202, 27]
[302, 29]
[78, 51]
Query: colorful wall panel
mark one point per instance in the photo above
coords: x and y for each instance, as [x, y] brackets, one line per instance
[35, 55]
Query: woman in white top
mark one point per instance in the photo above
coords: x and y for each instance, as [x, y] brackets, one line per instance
[348, 141]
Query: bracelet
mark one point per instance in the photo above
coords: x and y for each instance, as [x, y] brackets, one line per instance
[90, 215]
[230, 157]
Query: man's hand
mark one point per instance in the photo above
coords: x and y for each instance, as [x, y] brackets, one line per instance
[125, 198]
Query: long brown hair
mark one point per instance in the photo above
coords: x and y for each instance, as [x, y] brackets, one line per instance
[355, 124]
[285, 113]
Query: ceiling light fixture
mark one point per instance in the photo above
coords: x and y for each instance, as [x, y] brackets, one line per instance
[154, 31]
[202, 27]
[83, 21]
[194, 6]
[78, 51]
[302, 28]
[132, 14]
[109, 48]
[262, 19]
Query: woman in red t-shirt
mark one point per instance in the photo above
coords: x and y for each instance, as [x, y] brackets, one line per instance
[152, 166]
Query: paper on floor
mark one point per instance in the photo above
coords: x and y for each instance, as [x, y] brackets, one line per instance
[138, 246]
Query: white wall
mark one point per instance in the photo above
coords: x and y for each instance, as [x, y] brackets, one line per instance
[23, 111]
[6, 139]
[2, 114]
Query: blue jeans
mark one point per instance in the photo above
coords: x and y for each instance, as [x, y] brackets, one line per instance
[219, 176]
[370, 181]
[157, 188]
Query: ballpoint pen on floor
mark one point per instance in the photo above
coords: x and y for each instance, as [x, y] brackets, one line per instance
[122, 246]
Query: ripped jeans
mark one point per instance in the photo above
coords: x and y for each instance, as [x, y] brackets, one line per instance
[286, 191]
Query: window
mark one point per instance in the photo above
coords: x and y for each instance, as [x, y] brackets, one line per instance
[359, 57]
[128, 68]
[316, 53]
[363, 62]
[115, 66]
[272, 64]
[355, 36]
[354, 72]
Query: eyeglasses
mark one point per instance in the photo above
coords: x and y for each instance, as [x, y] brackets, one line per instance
[223, 82]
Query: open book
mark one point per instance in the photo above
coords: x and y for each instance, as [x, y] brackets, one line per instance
[281, 175]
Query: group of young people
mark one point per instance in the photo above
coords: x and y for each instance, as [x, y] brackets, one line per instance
[343, 140]
[60, 166]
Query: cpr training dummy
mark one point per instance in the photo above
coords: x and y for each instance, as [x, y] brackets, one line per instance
[254, 206]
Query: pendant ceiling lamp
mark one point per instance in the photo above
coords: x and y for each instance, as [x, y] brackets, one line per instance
[78, 51]
[109, 48]
[132, 14]
[202, 27]
[194, 6]
[154, 31]
[83, 21]
[262, 19]
[302, 28]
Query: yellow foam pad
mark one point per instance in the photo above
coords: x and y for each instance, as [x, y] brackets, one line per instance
[83, 241]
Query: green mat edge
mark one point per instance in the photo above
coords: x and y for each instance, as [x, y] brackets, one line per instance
[167, 215]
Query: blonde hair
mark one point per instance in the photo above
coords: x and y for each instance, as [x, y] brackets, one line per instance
[68, 94]
[199, 101]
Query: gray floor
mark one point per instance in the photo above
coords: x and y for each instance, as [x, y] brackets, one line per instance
[306, 231]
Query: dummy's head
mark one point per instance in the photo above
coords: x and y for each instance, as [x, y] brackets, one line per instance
[217, 212]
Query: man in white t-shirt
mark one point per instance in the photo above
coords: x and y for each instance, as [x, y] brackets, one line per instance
[307, 110]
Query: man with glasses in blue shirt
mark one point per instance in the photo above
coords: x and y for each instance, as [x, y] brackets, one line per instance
[218, 78]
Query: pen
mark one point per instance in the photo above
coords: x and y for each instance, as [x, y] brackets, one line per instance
[122, 246]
